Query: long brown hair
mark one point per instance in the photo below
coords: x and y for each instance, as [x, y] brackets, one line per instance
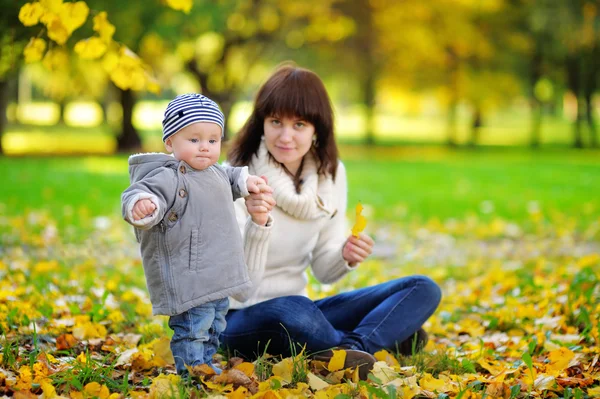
[290, 92]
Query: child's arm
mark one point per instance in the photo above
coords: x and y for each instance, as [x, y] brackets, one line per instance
[144, 203]
[237, 177]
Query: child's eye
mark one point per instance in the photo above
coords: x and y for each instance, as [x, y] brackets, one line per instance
[212, 141]
[194, 140]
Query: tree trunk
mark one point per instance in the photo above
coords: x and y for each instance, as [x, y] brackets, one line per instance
[3, 107]
[476, 127]
[589, 112]
[129, 140]
[451, 139]
[573, 79]
[534, 102]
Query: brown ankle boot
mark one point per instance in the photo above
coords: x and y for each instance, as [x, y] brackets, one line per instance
[354, 358]
[415, 343]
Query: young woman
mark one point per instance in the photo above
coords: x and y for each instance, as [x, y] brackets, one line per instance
[289, 140]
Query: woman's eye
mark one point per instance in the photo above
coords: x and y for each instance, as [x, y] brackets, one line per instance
[300, 124]
[275, 122]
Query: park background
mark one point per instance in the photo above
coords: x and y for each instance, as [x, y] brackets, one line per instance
[467, 127]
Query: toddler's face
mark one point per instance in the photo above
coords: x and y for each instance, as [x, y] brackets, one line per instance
[198, 144]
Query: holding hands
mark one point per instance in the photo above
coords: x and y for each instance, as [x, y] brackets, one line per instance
[357, 249]
[260, 201]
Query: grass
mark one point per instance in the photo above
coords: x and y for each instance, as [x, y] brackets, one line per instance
[399, 184]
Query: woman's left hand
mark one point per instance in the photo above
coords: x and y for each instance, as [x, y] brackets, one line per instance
[357, 249]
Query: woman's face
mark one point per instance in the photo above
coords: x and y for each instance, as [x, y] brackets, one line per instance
[288, 140]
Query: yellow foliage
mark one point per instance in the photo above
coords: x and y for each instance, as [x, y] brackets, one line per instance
[34, 50]
[30, 13]
[164, 386]
[181, 5]
[104, 28]
[559, 360]
[90, 48]
[73, 15]
[387, 357]
[361, 221]
[246, 368]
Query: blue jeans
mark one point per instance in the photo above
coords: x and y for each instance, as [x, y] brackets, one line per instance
[196, 334]
[368, 319]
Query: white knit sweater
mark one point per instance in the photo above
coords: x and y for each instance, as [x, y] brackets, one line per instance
[309, 228]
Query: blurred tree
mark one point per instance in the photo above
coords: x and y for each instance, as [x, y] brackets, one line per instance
[230, 39]
[13, 38]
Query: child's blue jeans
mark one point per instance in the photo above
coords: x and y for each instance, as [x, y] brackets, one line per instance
[196, 334]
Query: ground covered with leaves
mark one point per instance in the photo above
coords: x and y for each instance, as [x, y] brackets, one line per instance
[519, 317]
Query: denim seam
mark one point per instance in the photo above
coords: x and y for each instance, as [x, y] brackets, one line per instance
[394, 308]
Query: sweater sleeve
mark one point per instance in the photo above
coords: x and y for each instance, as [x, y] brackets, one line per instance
[255, 239]
[328, 265]
[159, 188]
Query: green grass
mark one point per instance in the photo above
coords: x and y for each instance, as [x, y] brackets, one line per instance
[394, 183]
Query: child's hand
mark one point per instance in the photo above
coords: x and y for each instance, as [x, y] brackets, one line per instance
[260, 201]
[143, 208]
[257, 184]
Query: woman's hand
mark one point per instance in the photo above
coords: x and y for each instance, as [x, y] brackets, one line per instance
[357, 249]
[260, 204]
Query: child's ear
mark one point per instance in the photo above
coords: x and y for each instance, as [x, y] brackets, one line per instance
[168, 145]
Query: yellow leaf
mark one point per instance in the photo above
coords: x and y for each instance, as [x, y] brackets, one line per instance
[594, 392]
[431, 383]
[337, 360]
[387, 357]
[559, 360]
[91, 48]
[49, 390]
[182, 5]
[239, 393]
[73, 15]
[246, 368]
[56, 59]
[283, 370]
[34, 50]
[57, 30]
[52, 6]
[31, 13]
[104, 28]
[164, 386]
[315, 383]
[94, 389]
[162, 352]
[361, 221]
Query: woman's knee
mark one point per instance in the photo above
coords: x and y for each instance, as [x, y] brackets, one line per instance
[429, 289]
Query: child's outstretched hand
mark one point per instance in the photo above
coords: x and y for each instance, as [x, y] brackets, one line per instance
[143, 208]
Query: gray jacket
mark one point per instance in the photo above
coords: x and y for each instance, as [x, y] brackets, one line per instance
[191, 245]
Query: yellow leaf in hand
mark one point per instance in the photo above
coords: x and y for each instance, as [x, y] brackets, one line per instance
[337, 360]
[361, 221]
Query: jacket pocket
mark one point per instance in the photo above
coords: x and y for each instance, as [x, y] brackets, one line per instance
[194, 250]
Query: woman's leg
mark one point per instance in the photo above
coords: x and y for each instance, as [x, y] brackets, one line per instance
[382, 316]
[277, 324]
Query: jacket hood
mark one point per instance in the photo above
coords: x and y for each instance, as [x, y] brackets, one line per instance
[142, 164]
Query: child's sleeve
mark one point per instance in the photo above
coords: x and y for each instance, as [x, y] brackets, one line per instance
[237, 179]
[159, 188]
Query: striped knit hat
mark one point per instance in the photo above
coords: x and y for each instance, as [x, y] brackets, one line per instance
[187, 109]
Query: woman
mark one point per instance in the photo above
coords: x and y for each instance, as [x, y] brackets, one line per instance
[289, 140]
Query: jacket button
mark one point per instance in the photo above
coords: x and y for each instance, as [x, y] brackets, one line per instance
[182, 169]
[182, 193]
[173, 217]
